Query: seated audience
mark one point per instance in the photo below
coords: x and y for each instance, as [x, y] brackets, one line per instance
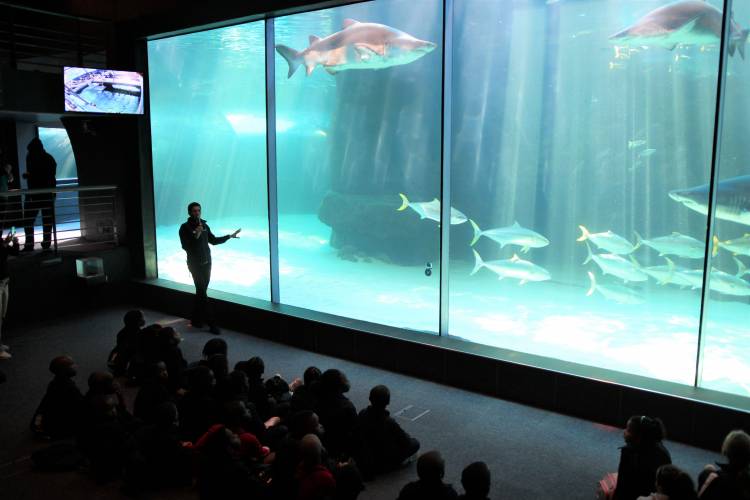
[153, 393]
[305, 396]
[237, 387]
[221, 473]
[158, 458]
[146, 352]
[430, 485]
[197, 408]
[337, 415]
[220, 368]
[254, 368]
[287, 454]
[385, 445]
[213, 346]
[239, 420]
[171, 355]
[59, 413]
[475, 479]
[278, 391]
[641, 456]
[315, 480]
[731, 480]
[104, 384]
[127, 343]
[672, 484]
[104, 440]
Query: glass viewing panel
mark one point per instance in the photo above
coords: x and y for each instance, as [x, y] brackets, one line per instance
[581, 141]
[57, 143]
[571, 129]
[725, 363]
[358, 138]
[208, 136]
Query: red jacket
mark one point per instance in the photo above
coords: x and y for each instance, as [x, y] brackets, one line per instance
[316, 483]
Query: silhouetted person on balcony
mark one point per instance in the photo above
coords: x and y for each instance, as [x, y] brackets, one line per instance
[195, 235]
[40, 174]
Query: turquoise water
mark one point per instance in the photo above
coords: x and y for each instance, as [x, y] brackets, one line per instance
[554, 127]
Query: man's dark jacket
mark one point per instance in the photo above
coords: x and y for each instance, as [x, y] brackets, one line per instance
[198, 252]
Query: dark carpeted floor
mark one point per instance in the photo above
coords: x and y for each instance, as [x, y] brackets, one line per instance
[533, 454]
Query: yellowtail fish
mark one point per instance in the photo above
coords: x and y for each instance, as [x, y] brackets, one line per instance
[511, 235]
[430, 210]
[738, 246]
[636, 143]
[741, 269]
[626, 270]
[676, 244]
[720, 281]
[608, 241]
[515, 267]
[669, 274]
[617, 293]
[728, 284]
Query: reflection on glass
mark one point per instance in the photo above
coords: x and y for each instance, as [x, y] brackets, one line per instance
[57, 143]
[358, 95]
[208, 145]
[725, 363]
[572, 124]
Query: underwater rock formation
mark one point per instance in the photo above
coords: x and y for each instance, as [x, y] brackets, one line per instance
[367, 227]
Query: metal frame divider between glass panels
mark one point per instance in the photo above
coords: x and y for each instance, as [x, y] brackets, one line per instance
[273, 205]
[445, 166]
[721, 81]
[146, 177]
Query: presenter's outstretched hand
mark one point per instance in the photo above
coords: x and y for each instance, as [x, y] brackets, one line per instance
[234, 234]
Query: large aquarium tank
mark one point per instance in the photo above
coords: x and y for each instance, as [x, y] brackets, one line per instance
[577, 138]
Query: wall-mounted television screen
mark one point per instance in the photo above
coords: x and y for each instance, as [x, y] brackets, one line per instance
[103, 91]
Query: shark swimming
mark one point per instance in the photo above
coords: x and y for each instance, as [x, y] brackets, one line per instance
[357, 46]
[687, 22]
[732, 199]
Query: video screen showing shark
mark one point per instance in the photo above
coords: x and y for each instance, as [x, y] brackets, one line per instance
[92, 90]
[580, 168]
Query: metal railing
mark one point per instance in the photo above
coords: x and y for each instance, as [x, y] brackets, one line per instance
[72, 217]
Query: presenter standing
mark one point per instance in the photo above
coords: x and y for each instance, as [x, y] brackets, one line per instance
[195, 235]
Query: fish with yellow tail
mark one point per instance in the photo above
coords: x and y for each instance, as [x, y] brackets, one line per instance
[430, 210]
[511, 235]
[616, 293]
[515, 267]
[738, 246]
[676, 244]
[609, 241]
[626, 270]
[669, 274]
